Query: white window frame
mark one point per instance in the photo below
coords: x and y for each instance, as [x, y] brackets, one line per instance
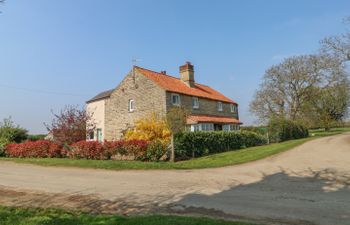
[172, 98]
[131, 105]
[207, 126]
[226, 127]
[195, 102]
[195, 127]
[219, 106]
[233, 108]
[202, 127]
[98, 133]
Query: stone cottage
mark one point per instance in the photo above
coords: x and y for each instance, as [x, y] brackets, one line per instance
[144, 91]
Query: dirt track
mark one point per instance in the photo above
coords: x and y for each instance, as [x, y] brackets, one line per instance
[307, 185]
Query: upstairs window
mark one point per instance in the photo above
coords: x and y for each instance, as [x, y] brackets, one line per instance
[233, 108]
[175, 99]
[131, 105]
[195, 102]
[219, 106]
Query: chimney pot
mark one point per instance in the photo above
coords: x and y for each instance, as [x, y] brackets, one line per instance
[163, 72]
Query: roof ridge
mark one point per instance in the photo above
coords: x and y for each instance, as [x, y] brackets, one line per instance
[158, 72]
[171, 76]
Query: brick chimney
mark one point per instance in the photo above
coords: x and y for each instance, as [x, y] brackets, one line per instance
[187, 74]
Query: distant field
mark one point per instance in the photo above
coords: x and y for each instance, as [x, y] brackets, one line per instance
[333, 131]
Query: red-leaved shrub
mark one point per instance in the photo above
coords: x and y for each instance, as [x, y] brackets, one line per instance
[87, 150]
[135, 148]
[34, 149]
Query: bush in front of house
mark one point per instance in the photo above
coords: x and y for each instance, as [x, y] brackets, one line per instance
[156, 151]
[87, 150]
[201, 143]
[34, 149]
[132, 148]
[151, 128]
[281, 129]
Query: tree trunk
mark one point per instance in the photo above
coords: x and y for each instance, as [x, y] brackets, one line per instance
[172, 149]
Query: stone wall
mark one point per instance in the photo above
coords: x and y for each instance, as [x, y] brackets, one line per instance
[147, 96]
[206, 106]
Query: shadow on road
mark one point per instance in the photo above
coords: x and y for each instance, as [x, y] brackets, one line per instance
[310, 197]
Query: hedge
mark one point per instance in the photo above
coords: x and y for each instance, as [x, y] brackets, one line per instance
[201, 143]
[137, 149]
[34, 149]
[281, 129]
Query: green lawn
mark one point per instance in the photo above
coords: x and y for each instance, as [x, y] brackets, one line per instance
[217, 160]
[34, 216]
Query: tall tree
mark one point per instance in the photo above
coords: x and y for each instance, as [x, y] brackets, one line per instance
[288, 88]
[329, 105]
[338, 46]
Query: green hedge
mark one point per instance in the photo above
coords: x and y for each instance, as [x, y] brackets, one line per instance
[201, 143]
[281, 129]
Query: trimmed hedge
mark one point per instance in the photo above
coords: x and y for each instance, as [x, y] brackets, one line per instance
[139, 149]
[87, 150]
[34, 149]
[201, 143]
[281, 129]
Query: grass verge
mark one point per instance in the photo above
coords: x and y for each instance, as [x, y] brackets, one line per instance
[35, 216]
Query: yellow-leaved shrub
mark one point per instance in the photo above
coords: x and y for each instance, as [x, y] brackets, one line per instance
[151, 128]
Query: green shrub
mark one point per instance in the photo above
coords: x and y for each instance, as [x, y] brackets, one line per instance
[281, 129]
[201, 143]
[259, 130]
[12, 132]
[3, 143]
[156, 151]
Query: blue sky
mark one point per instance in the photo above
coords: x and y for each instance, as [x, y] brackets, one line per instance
[59, 52]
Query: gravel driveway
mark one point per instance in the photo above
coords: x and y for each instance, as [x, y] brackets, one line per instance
[307, 185]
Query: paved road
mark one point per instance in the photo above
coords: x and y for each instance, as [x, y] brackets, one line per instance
[307, 185]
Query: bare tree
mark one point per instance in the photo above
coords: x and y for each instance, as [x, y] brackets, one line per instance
[287, 88]
[338, 46]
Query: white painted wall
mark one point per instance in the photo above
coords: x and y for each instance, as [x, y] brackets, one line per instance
[97, 108]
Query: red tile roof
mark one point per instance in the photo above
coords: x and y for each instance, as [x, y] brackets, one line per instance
[192, 119]
[174, 84]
